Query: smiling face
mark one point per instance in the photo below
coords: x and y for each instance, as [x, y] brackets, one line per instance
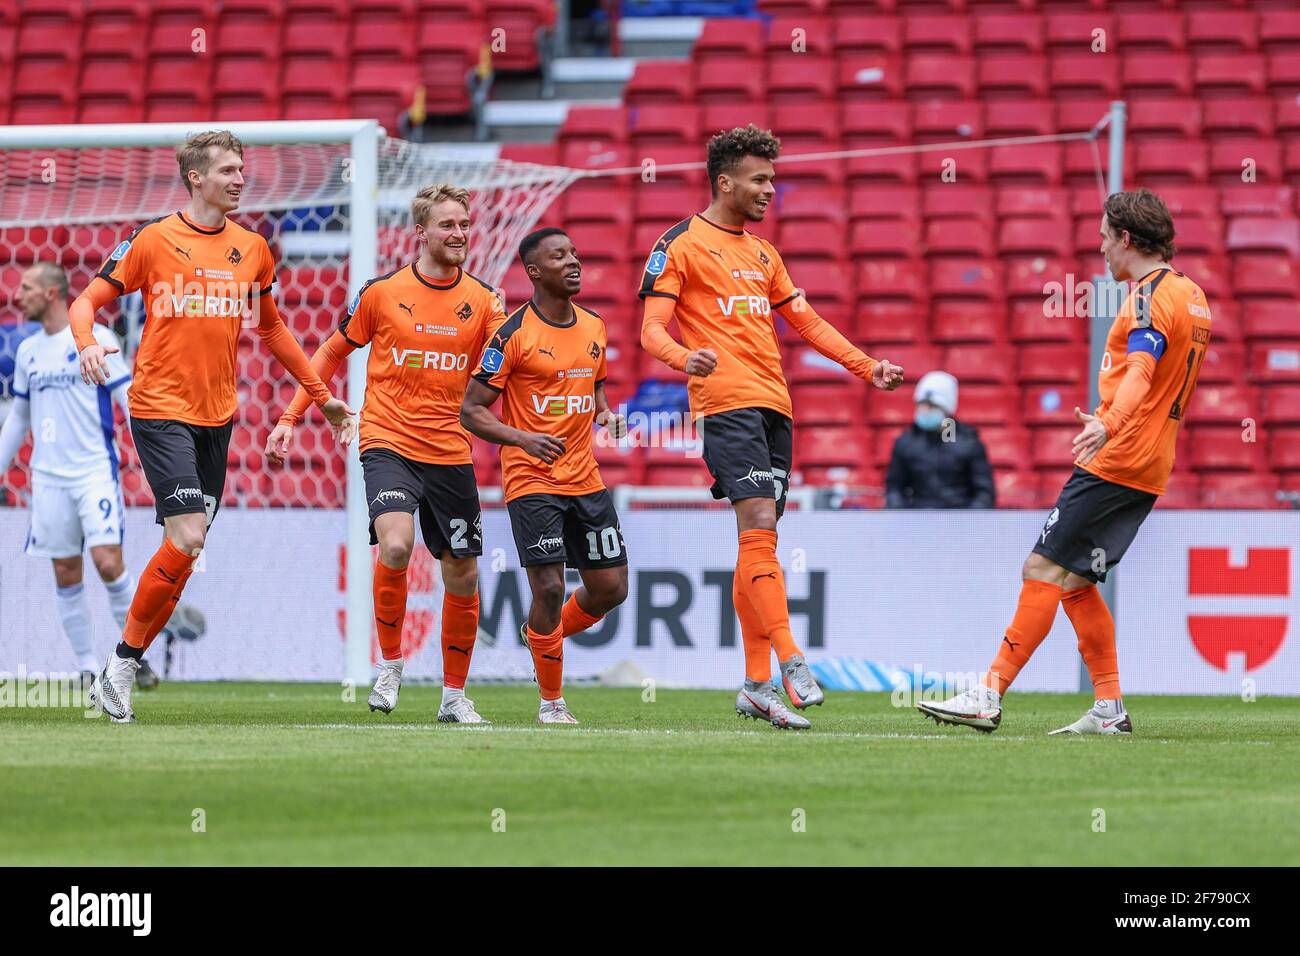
[446, 234]
[750, 187]
[554, 267]
[223, 183]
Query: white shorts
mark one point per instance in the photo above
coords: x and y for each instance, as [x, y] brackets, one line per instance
[67, 520]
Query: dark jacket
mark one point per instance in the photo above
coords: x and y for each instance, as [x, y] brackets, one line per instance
[927, 472]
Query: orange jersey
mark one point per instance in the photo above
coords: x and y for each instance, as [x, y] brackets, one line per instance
[1173, 307]
[198, 286]
[547, 375]
[726, 283]
[423, 337]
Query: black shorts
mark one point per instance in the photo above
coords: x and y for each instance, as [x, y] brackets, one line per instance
[184, 464]
[581, 531]
[748, 451]
[1093, 524]
[445, 495]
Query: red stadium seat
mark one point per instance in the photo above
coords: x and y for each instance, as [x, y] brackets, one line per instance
[962, 278]
[1219, 448]
[1050, 448]
[1224, 364]
[867, 238]
[868, 34]
[957, 201]
[1042, 236]
[1269, 319]
[947, 120]
[881, 323]
[1182, 493]
[968, 322]
[871, 123]
[1255, 199]
[1230, 74]
[1264, 275]
[1077, 32]
[1264, 234]
[1230, 159]
[1257, 491]
[985, 404]
[1284, 449]
[1016, 489]
[809, 203]
[831, 445]
[931, 75]
[1215, 30]
[936, 34]
[1281, 405]
[1183, 161]
[899, 280]
[1164, 116]
[960, 237]
[1223, 404]
[1018, 118]
[1008, 33]
[1079, 74]
[829, 404]
[1005, 447]
[1048, 364]
[891, 204]
[1284, 74]
[803, 79]
[1157, 74]
[729, 38]
[989, 364]
[1039, 163]
[1279, 29]
[1238, 116]
[869, 76]
[659, 81]
[728, 79]
[1163, 33]
[1275, 362]
[793, 37]
[1052, 404]
[655, 124]
[1012, 76]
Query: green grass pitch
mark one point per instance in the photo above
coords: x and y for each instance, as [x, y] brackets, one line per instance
[291, 774]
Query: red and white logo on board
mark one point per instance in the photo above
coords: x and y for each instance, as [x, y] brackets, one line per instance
[1257, 637]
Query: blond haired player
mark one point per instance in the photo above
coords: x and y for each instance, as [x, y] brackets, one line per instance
[425, 323]
[200, 274]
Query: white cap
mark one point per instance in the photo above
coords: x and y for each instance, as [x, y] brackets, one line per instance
[937, 388]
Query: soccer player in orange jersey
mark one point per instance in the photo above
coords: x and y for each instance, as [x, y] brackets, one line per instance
[200, 274]
[425, 324]
[547, 364]
[1123, 456]
[723, 283]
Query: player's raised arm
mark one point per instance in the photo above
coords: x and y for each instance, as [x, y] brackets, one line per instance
[827, 340]
[81, 314]
[656, 340]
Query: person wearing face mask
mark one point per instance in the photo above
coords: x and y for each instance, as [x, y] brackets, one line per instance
[939, 462]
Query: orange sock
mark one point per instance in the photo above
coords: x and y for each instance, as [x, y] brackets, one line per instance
[1096, 630]
[758, 649]
[153, 594]
[390, 609]
[548, 659]
[159, 622]
[1034, 616]
[573, 619]
[764, 584]
[459, 631]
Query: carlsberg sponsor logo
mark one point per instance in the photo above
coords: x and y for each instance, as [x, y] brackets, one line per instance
[418, 358]
[563, 404]
[745, 305]
[103, 909]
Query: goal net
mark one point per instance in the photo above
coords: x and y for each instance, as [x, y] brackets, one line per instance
[333, 200]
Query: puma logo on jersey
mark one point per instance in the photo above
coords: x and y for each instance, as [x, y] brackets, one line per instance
[409, 310]
[183, 252]
[770, 574]
[550, 351]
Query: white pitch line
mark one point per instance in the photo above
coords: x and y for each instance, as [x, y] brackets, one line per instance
[627, 731]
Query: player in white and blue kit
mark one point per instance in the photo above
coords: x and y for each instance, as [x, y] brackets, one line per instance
[76, 496]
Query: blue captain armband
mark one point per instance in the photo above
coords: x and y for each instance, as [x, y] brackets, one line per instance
[1147, 340]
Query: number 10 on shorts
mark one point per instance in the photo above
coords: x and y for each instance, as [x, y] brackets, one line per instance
[607, 541]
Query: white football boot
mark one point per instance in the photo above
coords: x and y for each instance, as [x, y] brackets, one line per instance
[111, 690]
[979, 708]
[1101, 719]
[459, 709]
[383, 696]
[555, 712]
